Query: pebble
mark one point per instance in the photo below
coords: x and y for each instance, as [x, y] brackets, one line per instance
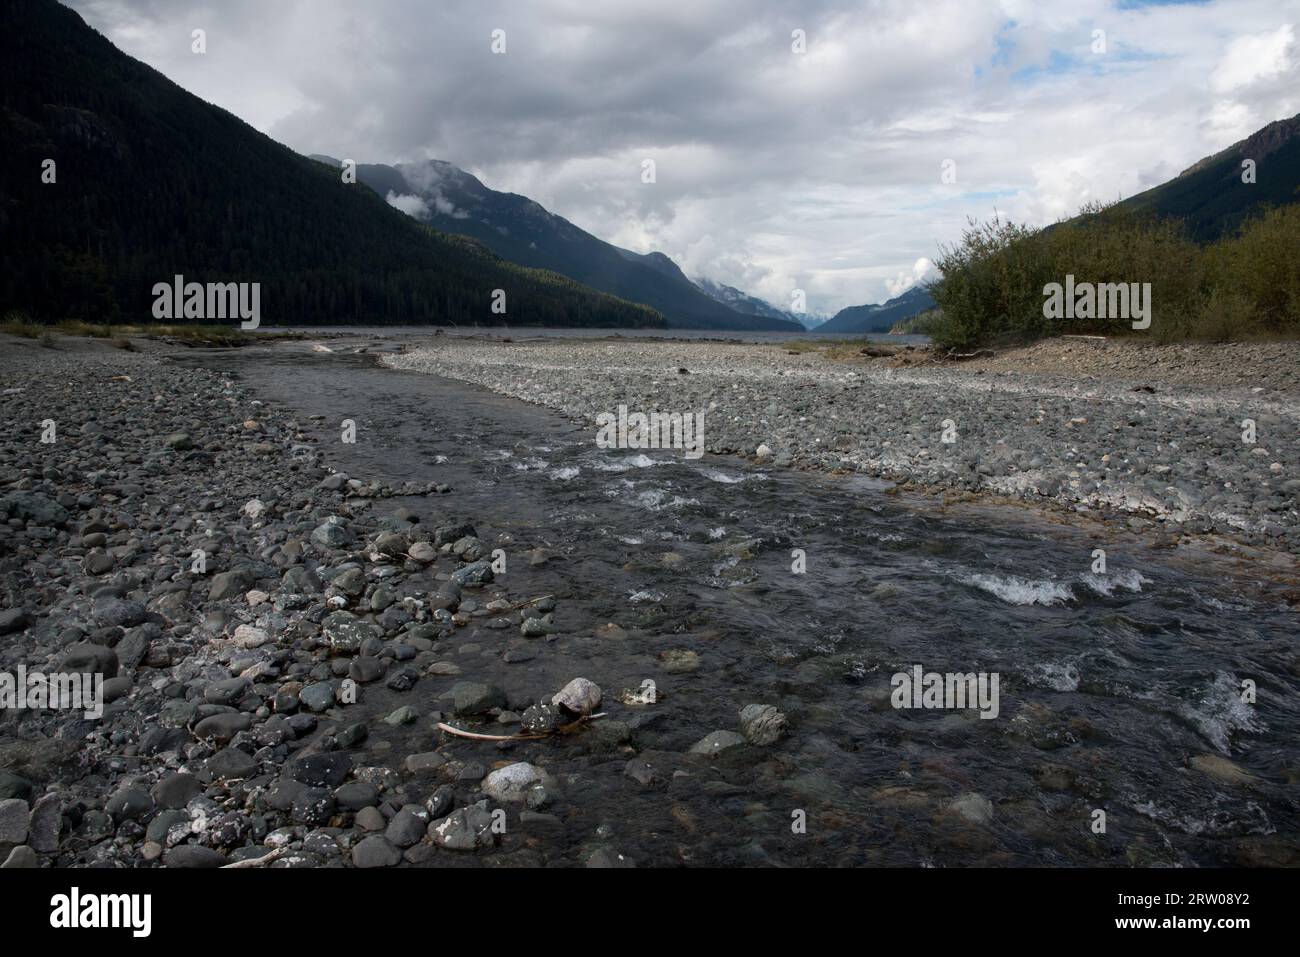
[579, 697]
[513, 782]
[762, 724]
[375, 852]
[717, 742]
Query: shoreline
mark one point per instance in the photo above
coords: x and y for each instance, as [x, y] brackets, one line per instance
[1144, 489]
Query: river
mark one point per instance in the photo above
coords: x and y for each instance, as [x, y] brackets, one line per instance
[1119, 693]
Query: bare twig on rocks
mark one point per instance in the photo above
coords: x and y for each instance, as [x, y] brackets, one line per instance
[256, 861]
[475, 736]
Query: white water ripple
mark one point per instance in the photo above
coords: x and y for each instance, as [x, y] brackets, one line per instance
[1022, 591]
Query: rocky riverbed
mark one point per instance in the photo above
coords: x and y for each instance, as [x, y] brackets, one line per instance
[286, 617]
[170, 531]
[1201, 451]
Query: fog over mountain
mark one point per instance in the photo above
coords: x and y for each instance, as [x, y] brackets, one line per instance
[515, 227]
[775, 170]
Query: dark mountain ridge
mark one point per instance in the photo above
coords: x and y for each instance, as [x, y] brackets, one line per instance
[151, 182]
[880, 317]
[1211, 196]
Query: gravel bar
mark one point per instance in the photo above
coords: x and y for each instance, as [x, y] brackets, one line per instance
[1175, 453]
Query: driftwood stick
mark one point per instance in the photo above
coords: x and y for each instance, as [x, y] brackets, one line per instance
[256, 861]
[475, 736]
[531, 601]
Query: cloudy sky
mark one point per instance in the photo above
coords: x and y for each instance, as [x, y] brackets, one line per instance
[775, 169]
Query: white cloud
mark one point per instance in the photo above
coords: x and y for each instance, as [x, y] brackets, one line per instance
[409, 203]
[922, 270]
[775, 170]
[1252, 58]
[1258, 68]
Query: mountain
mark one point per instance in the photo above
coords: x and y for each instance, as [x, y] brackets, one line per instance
[882, 316]
[151, 182]
[744, 302]
[1210, 195]
[518, 229]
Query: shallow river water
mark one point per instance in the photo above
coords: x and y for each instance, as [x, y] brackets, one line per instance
[1121, 692]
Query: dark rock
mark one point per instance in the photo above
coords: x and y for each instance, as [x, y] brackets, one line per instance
[223, 727]
[176, 789]
[230, 584]
[163, 822]
[375, 851]
[13, 786]
[317, 697]
[231, 763]
[354, 795]
[129, 804]
[407, 826]
[320, 770]
[472, 697]
[193, 856]
[33, 507]
[87, 658]
[118, 611]
[13, 619]
[313, 806]
[466, 829]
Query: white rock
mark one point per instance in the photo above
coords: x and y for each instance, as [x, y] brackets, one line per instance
[254, 508]
[247, 636]
[763, 451]
[579, 696]
[514, 781]
[423, 552]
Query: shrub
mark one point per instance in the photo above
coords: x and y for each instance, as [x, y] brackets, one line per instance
[992, 285]
[16, 323]
[1261, 265]
[991, 290]
[1223, 316]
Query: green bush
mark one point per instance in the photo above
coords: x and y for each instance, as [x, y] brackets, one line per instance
[1261, 264]
[1223, 316]
[992, 286]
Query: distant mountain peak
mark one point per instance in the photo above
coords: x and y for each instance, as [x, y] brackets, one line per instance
[742, 301]
[881, 316]
[523, 231]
